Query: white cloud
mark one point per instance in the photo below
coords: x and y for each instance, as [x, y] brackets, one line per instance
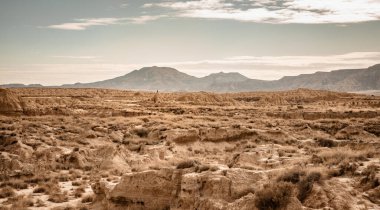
[145, 18]
[271, 11]
[83, 24]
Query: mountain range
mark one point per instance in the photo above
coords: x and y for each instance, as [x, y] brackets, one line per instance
[170, 79]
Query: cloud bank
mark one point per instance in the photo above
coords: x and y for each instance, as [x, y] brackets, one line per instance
[277, 12]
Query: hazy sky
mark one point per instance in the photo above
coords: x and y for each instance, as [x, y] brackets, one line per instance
[68, 41]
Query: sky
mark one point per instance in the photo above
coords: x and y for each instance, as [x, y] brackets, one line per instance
[53, 42]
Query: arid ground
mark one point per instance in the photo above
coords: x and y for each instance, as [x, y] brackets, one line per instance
[114, 149]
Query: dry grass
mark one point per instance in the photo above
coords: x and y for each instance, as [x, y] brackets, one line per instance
[79, 191]
[369, 179]
[337, 155]
[305, 186]
[274, 196]
[7, 192]
[186, 164]
[21, 202]
[326, 142]
[47, 188]
[88, 199]
[15, 184]
[302, 179]
[293, 176]
[58, 197]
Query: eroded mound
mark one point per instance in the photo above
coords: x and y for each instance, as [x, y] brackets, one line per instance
[9, 102]
[204, 98]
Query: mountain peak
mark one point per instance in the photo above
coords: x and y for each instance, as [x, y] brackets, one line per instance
[226, 77]
[227, 73]
[170, 79]
[158, 68]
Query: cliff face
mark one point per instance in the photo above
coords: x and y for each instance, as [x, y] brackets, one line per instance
[181, 189]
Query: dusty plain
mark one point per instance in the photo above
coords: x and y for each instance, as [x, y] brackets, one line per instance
[115, 149]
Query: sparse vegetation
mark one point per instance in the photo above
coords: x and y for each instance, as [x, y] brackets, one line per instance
[21, 202]
[58, 197]
[186, 164]
[15, 184]
[88, 199]
[274, 196]
[305, 186]
[7, 192]
[326, 143]
[238, 150]
[293, 176]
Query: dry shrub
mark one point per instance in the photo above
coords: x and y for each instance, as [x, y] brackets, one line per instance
[76, 183]
[339, 154]
[7, 192]
[47, 188]
[79, 191]
[40, 189]
[58, 197]
[186, 164]
[21, 202]
[141, 132]
[305, 186]
[75, 173]
[273, 196]
[63, 177]
[293, 176]
[38, 179]
[369, 179]
[315, 159]
[304, 181]
[326, 143]
[15, 184]
[304, 189]
[88, 199]
[345, 168]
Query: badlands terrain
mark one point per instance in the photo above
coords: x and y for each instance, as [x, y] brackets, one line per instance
[114, 149]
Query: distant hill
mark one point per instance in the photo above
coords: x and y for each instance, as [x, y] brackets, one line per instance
[170, 79]
[147, 78]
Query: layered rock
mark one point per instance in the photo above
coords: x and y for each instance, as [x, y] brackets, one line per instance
[145, 190]
[181, 189]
